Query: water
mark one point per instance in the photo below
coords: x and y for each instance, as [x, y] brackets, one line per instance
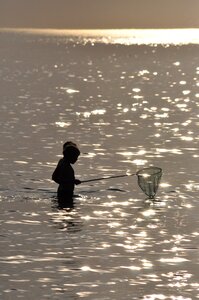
[128, 106]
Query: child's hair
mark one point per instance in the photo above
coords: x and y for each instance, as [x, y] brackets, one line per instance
[69, 147]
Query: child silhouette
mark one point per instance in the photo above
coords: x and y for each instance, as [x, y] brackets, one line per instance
[64, 175]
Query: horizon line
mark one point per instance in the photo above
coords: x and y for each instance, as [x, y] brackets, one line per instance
[95, 29]
[148, 36]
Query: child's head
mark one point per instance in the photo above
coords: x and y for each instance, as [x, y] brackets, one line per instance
[71, 152]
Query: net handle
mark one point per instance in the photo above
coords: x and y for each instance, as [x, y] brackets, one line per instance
[115, 176]
[107, 178]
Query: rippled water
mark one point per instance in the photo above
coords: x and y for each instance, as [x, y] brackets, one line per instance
[127, 107]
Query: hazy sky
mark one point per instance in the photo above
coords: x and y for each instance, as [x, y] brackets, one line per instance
[99, 13]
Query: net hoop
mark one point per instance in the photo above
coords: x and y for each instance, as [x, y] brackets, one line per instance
[150, 171]
[149, 179]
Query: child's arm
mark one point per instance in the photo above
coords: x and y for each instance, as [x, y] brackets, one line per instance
[55, 176]
[64, 175]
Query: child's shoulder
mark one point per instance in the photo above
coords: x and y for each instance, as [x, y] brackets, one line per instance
[60, 161]
[63, 162]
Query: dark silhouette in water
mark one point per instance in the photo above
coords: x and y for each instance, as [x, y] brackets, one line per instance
[64, 175]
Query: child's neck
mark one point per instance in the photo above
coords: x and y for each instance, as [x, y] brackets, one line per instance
[66, 160]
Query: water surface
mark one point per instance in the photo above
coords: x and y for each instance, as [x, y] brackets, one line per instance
[127, 107]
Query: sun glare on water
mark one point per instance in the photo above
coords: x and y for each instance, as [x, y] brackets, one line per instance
[157, 36]
[121, 36]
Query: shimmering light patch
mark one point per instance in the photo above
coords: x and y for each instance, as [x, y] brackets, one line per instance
[120, 232]
[165, 184]
[139, 162]
[87, 218]
[175, 129]
[173, 260]
[143, 72]
[63, 124]
[20, 162]
[144, 116]
[141, 234]
[114, 224]
[174, 151]
[165, 109]
[86, 268]
[177, 63]
[99, 213]
[155, 297]
[182, 105]
[105, 245]
[187, 138]
[192, 186]
[98, 111]
[136, 90]
[123, 203]
[141, 152]
[164, 115]
[189, 186]
[137, 97]
[69, 90]
[195, 233]
[176, 249]
[91, 154]
[132, 268]
[145, 175]
[186, 92]
[20, 280]
[126, 153]
[148, 213]
[45, 280]
[84, 294]
[186, 123]
[19, 259]
[87, 114]
[157, 124]
[146, 263]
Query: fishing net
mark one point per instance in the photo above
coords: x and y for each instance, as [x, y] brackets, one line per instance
[149, 179]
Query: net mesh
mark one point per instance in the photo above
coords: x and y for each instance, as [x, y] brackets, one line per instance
[149, 179]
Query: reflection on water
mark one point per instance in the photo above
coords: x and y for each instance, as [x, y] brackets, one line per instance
[128, 107]
[127, 245]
